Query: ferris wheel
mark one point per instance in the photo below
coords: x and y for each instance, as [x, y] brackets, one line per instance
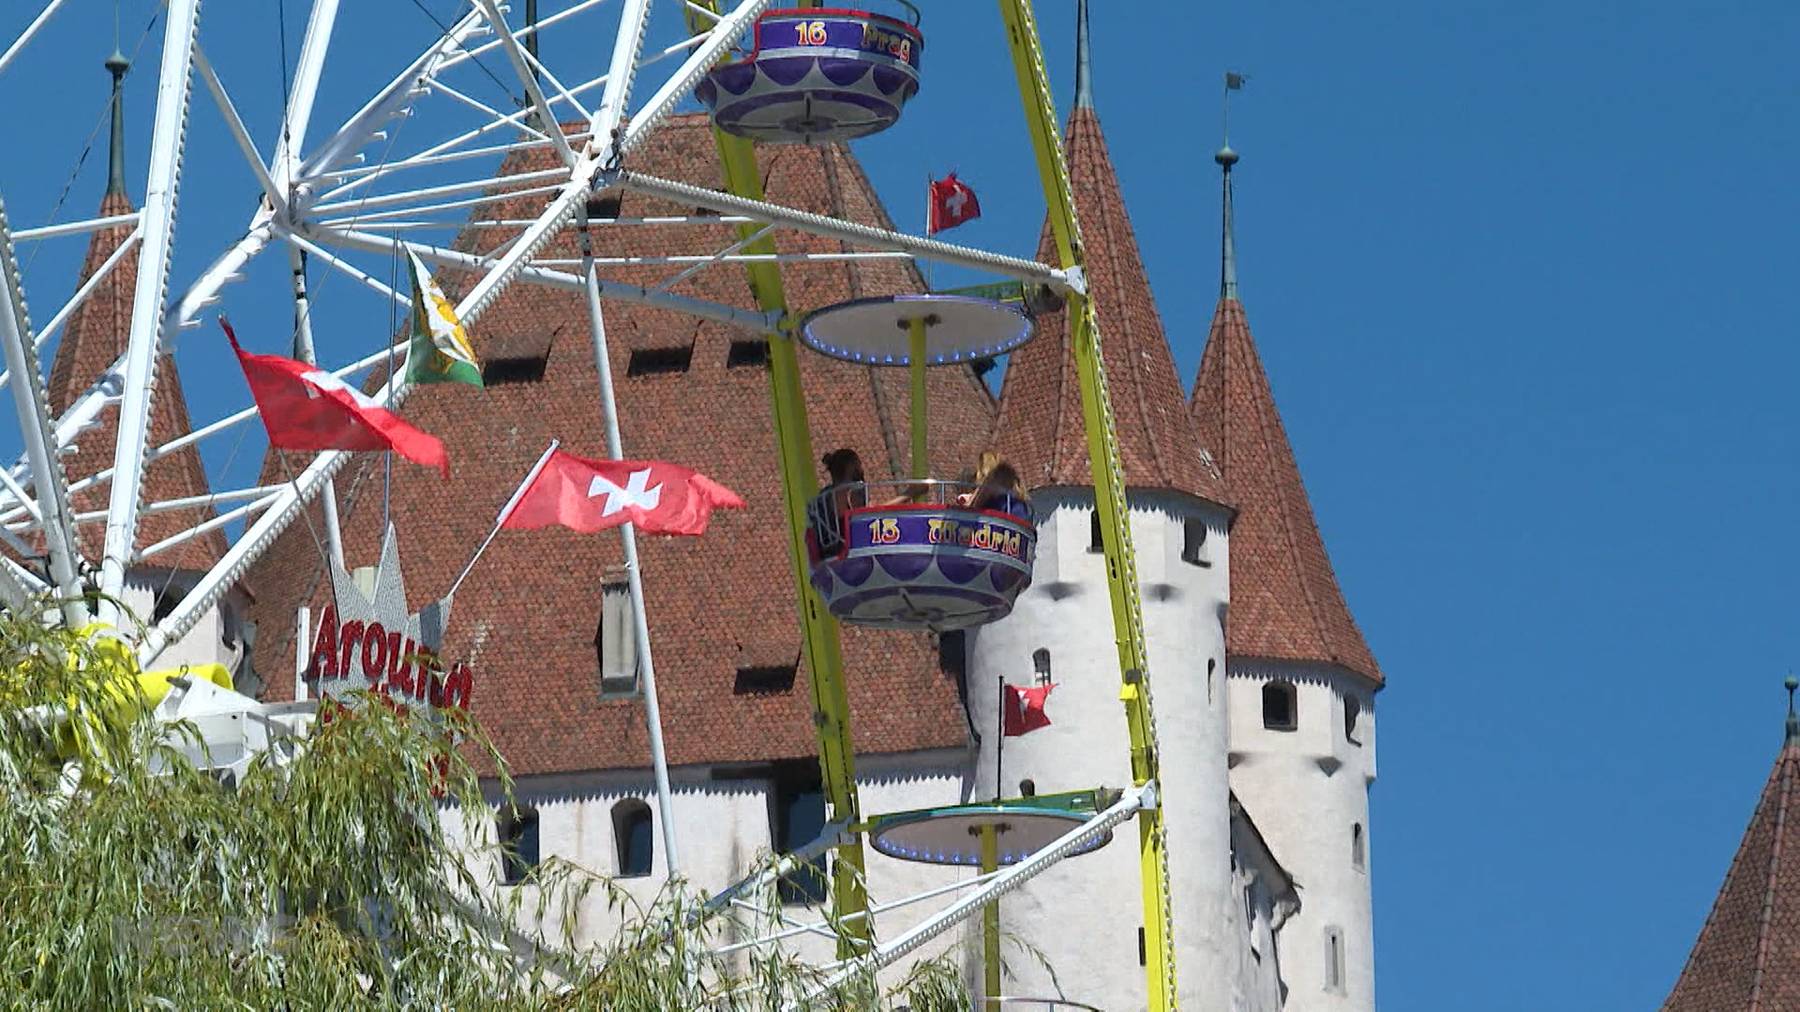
[339, 192]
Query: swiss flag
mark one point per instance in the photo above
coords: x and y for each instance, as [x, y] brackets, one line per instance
[307, 408]
[592, 495]
[1024, 709]
[952, 203]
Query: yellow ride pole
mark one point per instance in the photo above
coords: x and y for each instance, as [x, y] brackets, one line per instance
[824, 655]
[990, 919]
[915, 332]
[1109, 498]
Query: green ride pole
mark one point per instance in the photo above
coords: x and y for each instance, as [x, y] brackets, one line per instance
[915, 331]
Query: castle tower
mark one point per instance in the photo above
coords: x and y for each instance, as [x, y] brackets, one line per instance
[92, 341]
[1748, 954]
[1301, 681]
[1087, 913]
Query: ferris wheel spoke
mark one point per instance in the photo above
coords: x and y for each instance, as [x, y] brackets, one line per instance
[515, 55]
[30, 30]
[144, 341]
[87, 288]
[33, 411]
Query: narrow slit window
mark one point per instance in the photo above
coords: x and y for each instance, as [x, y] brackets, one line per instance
[1359, 854]
[1352, 714]
[1279, 706]
[633, 838]
[1040, 665]
[1096, 544]
[1334, 959]
[517, 832]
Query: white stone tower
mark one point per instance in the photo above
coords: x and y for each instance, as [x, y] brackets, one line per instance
[1087, 913]
[1301, 681]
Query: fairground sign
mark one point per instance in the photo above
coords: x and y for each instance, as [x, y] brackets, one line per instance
[373, 644]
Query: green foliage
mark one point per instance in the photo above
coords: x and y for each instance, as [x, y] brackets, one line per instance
[337, 875]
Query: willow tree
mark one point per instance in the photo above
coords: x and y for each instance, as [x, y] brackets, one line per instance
[336, 874]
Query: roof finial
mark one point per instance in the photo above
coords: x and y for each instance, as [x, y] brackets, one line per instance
[117, 65]
[1226, 159]
[1084, 80]
[1793, 721]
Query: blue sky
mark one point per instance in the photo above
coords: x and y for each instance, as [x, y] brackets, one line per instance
[1522, 275]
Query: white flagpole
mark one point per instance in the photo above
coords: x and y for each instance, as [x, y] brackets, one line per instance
[505, 511]
[659, 761]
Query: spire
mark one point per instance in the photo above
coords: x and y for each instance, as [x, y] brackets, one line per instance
[1793, 721]
[1227, 243]
[1084, 79]
[1748, 956]
[117, 65]
[1041, 428]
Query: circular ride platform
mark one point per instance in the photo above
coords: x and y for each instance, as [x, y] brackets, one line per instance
[817, 75]
[926, 562]
[1022, 827]
[878, 331]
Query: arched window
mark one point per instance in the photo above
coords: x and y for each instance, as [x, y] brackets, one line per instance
[1040, 665]
[1095, 544]
[1280, 710]
[1352, 711]
[633, 842]
[516, 829]
[1358, 849]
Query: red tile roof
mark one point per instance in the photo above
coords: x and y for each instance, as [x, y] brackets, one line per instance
[1040, 428]
[1285, 599]
[1747, 958]
[92, 340]
[528, 613]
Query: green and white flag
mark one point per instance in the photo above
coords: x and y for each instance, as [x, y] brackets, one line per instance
[440, 351]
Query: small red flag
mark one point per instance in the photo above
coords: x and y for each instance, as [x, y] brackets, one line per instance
[1025, 709]
[592, 495]
[304, 407]
[952, 203]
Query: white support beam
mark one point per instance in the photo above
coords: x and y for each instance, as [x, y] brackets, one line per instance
[389, 102]
[167, 142]
[75, 227]
[676, 89]
[755, 320]
[846, 231]
[30, 30]
[80, 296]
[307, 70]
[239, 132]
[516, 57]
[33, 409]
[212, 524]
[356, 205]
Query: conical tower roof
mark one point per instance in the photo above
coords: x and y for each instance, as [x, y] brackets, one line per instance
[1040, 429]
[92, 340]
[1285, 600]
[1747, 958]
[722, 608]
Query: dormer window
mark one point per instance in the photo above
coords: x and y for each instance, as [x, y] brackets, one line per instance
[648, 361]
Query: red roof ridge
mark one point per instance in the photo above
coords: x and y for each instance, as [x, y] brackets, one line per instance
[1760, 896]
[1040, 426]
[1287, 603]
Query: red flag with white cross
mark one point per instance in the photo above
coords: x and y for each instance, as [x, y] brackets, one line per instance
[1024, 709]
[952, 203]
[592, 495]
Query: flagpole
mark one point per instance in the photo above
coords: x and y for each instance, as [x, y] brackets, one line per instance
[1000, 739]
[500, 519]
[659, 761]
[303, 350]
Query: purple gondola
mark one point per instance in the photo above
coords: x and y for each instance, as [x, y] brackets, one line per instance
[817, 75]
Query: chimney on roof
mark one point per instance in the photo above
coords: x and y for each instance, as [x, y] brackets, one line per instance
[117, 65]
[1084, 83]
[1793, 721]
